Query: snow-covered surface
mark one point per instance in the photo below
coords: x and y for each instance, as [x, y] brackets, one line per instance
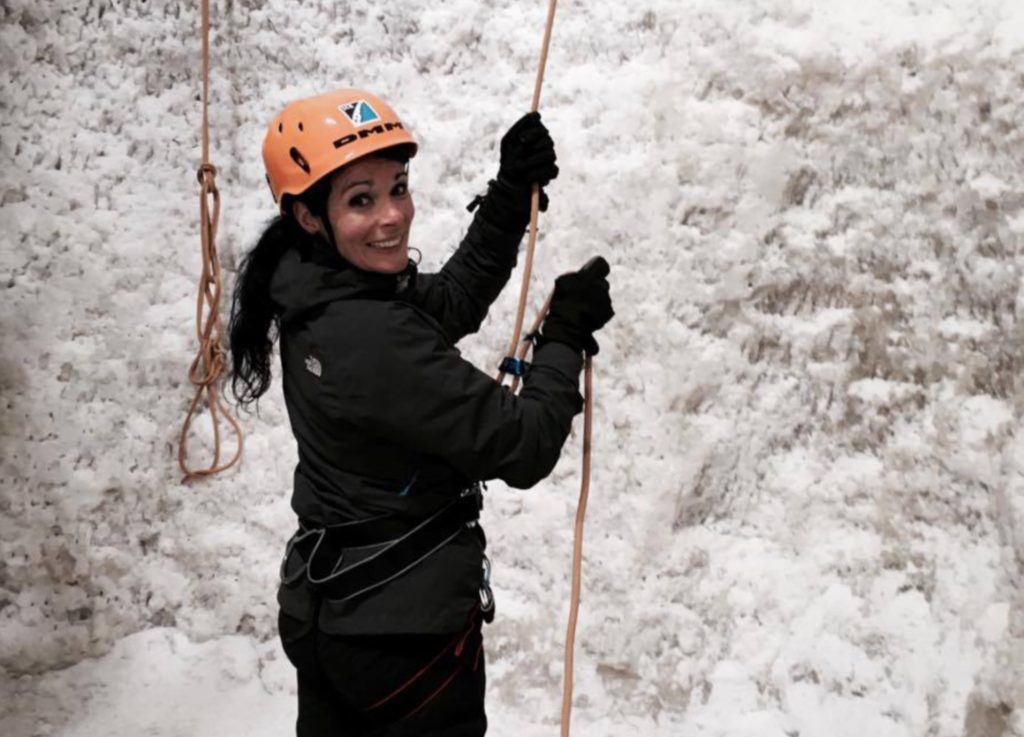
[807, 515]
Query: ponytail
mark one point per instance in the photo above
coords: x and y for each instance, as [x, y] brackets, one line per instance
[255, 318]
[254, 315]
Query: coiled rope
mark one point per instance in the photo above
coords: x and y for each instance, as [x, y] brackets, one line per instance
[519, 348]
[208, 366]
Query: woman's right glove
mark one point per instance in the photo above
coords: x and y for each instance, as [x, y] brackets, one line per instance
[527, 158]
[527, 154]
[580, 306]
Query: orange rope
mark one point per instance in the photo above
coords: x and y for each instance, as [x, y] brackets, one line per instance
[208, 366]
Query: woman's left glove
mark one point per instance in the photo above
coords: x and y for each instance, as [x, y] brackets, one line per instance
[580, 306]
[527, 154]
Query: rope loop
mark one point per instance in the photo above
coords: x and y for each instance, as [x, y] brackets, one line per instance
[208, 365]
[211, 358]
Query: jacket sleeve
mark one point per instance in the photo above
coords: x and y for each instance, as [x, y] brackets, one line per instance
[459, 295]
[413, 388]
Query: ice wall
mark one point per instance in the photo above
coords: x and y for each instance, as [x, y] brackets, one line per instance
[806, 514]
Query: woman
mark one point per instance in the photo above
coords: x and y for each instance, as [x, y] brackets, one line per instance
[384, 585]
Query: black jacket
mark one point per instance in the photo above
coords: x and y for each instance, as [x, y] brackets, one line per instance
[389, 418]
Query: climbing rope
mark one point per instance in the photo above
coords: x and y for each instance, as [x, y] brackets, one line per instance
[581, 510]
[209, 363]
[577, 543]
[531, 245]
[518, 349]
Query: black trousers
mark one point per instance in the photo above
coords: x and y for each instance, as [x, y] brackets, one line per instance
[387, 685]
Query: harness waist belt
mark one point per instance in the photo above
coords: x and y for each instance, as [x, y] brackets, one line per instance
[404, 544]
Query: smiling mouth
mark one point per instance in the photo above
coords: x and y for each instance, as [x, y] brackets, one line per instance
[386, 245]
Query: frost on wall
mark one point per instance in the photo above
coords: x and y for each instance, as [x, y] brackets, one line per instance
[99, 148]
[854, 398]
[808, 497]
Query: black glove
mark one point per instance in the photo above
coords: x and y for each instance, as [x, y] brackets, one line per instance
[527, 158]
[580, 305]
[527, 154]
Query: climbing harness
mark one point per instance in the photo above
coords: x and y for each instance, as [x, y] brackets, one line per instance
[384, 548]
[515, 365]
[208, 366]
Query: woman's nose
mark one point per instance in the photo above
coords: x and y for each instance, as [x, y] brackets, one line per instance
[396, 213]
[390, 212]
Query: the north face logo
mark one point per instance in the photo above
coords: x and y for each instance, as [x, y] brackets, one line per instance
[313, 366]
[360, 112]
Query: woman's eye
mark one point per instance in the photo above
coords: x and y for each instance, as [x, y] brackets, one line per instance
[402, 188]
[360, 200]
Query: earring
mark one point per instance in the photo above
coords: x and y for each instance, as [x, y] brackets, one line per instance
[419, 255]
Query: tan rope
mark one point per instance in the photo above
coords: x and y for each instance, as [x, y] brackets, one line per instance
[211, 359]
[577, 544]
[581, 511]
[519, 348]
[525, 345]
[535, 195]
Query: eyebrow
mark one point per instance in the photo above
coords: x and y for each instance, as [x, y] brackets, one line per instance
[369, 182]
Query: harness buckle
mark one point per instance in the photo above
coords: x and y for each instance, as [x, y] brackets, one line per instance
[486, 595]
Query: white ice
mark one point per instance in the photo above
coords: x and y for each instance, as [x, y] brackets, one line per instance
[807, 502]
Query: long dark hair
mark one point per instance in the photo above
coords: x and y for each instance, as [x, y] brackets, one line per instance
[255, 317]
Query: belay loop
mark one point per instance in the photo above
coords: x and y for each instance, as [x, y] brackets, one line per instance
[211, 359]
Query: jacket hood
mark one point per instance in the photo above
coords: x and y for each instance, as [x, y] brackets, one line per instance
[301, 284]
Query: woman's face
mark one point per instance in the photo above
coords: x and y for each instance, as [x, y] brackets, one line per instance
[371, 209]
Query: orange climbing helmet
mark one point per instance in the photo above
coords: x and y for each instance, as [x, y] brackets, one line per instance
[312, 137]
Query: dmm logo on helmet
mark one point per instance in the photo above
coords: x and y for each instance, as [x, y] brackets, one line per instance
[375, 130]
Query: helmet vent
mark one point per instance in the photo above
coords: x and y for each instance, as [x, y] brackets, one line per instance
[299, 159]
[300, 127]
[280, 127]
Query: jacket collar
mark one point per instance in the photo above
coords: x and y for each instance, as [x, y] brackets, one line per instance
[302, 283]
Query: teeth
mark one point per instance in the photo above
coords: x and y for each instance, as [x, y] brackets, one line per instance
[386, 244]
